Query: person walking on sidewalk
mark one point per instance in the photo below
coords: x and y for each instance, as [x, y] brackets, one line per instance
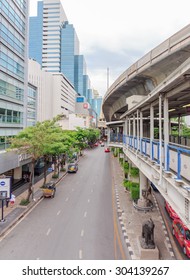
[12, 199]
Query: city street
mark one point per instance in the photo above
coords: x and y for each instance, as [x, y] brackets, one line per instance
[79, 223]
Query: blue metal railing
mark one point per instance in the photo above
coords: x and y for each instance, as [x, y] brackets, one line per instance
[132, 142]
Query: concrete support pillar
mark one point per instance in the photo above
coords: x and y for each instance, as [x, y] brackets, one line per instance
[166, 133]
[160, 136]
[18, 173]
[145, 194]
[127, 129]
[108, 138]
[138, 132]
[141, 130]
[134, 130]
[151, 129]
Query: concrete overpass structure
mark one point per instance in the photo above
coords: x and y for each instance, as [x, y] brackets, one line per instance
[149, 94]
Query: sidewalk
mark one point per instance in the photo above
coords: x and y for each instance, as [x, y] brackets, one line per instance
[12, 214]
[131, 219]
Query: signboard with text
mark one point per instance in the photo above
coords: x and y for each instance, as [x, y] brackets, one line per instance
[5, 188]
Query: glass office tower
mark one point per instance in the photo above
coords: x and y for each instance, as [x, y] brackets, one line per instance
[13, 67]
[69, 49]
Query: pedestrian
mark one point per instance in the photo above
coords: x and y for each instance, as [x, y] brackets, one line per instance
[12, 199]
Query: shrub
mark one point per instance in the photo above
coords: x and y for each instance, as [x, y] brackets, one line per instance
[125, 183]
[24, 202]
[134, 171]
[126, 167]
[135, 191]
[63, 169]
[55, 176]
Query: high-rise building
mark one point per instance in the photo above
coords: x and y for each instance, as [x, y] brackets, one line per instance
[45, 35]
[13, 67]
[69, 50]
[55, 45]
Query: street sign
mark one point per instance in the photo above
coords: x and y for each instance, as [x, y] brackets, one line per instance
[5, 187]
[3, 195]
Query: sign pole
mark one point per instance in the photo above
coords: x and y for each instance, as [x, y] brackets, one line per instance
[2, 208]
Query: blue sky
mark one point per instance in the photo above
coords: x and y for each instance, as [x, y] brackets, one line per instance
[116, 33]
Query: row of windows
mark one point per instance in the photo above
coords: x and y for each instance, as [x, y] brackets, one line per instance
[31, 93]
[47, 12]
[14, 15]
[11, 91]
[11, 65]
[10, 116]
[51, 17]
[11, 39]
[21, 4]
[51, 4]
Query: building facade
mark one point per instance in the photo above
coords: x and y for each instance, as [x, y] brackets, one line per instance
[45, 35]
[55, 94]
[55, 46]
[13, 67]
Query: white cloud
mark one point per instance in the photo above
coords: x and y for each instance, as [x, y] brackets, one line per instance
[124, 29]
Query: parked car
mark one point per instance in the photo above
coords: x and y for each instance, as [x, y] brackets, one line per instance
[96, 144]
[182, 234]
[107, 150]
[102, 144]
[72, 167]
[173, 215]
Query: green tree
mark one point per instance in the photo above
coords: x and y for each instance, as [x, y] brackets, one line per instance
[34, 141]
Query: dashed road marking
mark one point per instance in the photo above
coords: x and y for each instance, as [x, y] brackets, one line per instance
[48, 232]
[67, 199]
[58, 212]
[80, 254]
[85, 214]
[82, 233]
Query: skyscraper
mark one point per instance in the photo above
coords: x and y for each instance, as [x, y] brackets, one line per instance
[69, 50]
[13, 67]
[55, 45]
[45, 35]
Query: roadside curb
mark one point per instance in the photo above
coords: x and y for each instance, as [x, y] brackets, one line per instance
[26, 209]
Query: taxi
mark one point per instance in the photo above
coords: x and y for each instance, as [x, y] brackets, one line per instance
[173, 215]
[182, 234]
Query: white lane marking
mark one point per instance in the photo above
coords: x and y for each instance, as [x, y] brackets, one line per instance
[72, 190]
[92, 190]
[67, 199]
[85, 214]
[17, 223]
[82, 233]
[88, 200]
[58, 212]
[80, 254]
[48, 232]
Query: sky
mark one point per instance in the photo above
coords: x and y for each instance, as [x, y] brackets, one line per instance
[114, 34]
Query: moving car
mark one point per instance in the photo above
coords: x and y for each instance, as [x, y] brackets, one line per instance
[72, 167]
[173, 215]
[49, 189]
[182, 234]
[107, 150]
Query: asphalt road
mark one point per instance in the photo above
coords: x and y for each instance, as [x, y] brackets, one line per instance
[78, 223]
